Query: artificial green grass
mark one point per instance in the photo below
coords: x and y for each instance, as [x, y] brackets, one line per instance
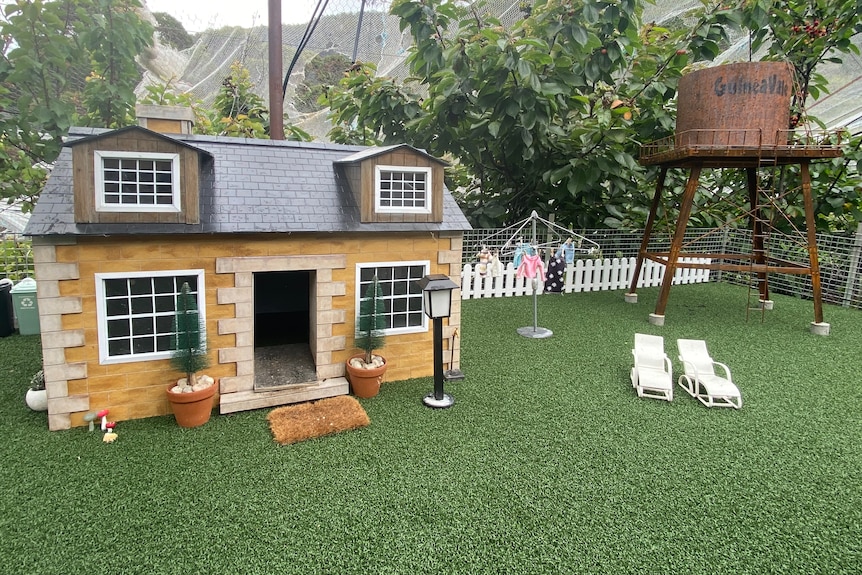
[547, 462]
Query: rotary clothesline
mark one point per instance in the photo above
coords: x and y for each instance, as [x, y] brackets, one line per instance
[556, 236]
[514, 245]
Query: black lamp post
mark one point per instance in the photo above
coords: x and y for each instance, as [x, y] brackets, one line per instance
[437, 301]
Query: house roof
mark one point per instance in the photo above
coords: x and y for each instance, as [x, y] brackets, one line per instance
[247, 186]
[95, 134]
[380, 150]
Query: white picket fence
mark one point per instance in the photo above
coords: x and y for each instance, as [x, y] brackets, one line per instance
[583, 275]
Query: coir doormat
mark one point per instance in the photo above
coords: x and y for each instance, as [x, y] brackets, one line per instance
[302, 421]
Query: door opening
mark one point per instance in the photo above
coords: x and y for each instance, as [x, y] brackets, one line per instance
[282, 328]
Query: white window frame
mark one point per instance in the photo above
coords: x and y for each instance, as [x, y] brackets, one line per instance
[99, 171]
[426, 209]
[102, 312]
[426, 266]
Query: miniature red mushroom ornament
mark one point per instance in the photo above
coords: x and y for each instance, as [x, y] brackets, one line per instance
[110, 436]
[104, 415]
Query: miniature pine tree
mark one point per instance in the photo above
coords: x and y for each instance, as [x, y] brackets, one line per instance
[371, 321]
[189, 355]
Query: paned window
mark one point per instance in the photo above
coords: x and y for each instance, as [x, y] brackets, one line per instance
[137, 182]
[401, 296]
[403, 189]
[136, 312]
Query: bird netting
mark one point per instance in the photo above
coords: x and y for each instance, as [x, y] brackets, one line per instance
[364, 31]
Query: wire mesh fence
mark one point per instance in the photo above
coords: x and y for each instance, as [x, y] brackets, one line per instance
[839, 256]
[365, 28]
[16, 257]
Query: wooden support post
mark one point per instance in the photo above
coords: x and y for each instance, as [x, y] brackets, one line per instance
[810, 224]
[679, 234]
[274, 55]
[656, 199]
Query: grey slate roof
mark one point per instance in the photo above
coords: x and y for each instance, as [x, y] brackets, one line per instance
[248, 186]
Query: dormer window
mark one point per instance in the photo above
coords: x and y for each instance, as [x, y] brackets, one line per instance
[137, 182]
[400, 189]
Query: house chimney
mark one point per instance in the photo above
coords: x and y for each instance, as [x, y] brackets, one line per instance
[165, 119]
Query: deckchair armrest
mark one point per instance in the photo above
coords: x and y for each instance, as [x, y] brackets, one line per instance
[687, 366]
[725, 368]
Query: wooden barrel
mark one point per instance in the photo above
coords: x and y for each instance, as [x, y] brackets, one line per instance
[735, 105]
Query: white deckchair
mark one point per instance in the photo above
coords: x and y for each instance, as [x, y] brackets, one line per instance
[700, 379]
[652, 373]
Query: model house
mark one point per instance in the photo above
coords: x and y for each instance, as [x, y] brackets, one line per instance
[277, 240]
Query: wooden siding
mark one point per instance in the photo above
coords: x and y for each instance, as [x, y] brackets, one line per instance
[402, 157]
[353, 175]
[84, 182]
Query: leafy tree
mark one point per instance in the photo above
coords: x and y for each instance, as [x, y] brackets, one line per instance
[239, 111]
[63, 62]
[172, 32]
[544, 116]
[549, 115]
[115, 36]
[323, 70]
[166, 94]
[805, 33]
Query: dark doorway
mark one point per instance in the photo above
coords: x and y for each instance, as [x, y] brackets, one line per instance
[282, 310]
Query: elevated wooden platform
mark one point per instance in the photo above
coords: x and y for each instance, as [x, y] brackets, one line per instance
[749, 150]
[738, 149]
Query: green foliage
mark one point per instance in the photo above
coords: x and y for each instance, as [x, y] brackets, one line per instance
[371, 320]
[189, 346]
[16, 259]
[805, 33]
[323, 70]
[550, 114]
[37, 382]
[172, 32]
[50, 50]
[544, 116]
[246, 114]
[115, 36]
[165, 94]
[367, 109]
[239, 111]
[296, 134]
[21, 178]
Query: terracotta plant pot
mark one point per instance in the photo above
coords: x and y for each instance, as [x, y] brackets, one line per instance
[192, 409]
[365, 382]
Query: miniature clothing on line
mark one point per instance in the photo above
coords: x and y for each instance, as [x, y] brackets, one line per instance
[556, 276]
[521, 250]
[567, 252]
[484, 257]
[531, 265]
[495, 267]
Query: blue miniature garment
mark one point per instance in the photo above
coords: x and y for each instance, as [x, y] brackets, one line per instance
[567, 252]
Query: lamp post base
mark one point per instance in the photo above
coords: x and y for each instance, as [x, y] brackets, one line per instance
[430, 401]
